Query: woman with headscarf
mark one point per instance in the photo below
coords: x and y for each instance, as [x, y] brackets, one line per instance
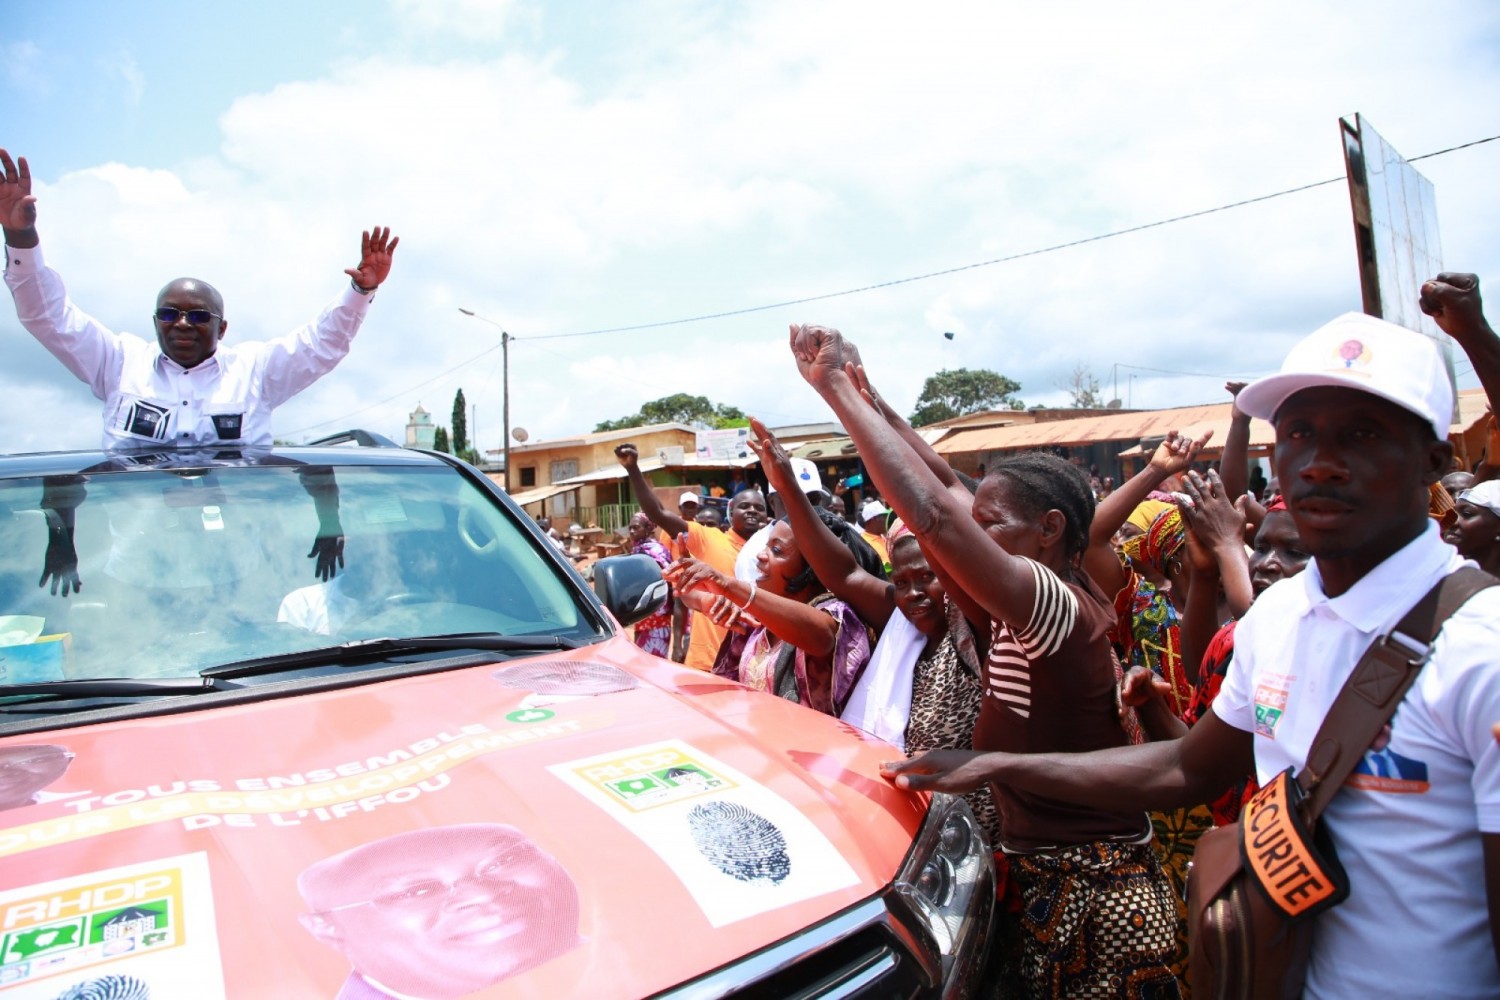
[1148, 580]
[1097, 914]
[787, 635]
[1218, 559]
[654, 632]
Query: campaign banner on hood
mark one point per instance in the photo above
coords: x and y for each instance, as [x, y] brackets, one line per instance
[132, 932]
[737, 847]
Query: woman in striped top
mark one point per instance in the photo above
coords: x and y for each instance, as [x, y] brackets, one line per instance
[1097, 913]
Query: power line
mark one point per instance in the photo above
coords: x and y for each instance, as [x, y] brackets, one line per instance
[986, 263]
[392, 399]
[1173, 371]
[897, 281]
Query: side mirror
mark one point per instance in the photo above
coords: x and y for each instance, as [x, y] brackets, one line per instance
[631, 587]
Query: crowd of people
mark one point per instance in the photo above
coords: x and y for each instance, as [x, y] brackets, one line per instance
[1109, 670]
[1105, 670]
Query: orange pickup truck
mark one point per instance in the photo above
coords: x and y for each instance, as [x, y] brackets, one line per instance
[340, 722]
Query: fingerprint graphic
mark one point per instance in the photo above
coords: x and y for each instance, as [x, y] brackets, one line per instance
[107, 988]
[740, 842]
[566, 677]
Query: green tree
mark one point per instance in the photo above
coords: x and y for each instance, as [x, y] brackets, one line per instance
[440, 439]
[681, 408]
[460, 425]
[954, 392]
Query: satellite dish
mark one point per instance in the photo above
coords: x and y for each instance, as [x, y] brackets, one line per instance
[1113, 404]
[519, 434]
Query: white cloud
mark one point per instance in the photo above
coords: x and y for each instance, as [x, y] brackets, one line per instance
[712, 162]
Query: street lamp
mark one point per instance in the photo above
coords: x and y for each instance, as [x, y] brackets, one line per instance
[505, 340]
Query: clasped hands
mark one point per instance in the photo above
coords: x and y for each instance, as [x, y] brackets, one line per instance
[705, 590]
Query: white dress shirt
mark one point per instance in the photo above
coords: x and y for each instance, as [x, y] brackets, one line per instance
[151, 400]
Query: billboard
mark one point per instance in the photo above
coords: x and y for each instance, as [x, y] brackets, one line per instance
[724, 445]
[1395, 231]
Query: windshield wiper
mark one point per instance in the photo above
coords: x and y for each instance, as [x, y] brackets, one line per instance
[374, 649]
[109, 687]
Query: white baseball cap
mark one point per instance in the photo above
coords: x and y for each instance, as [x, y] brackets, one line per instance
[1485, 494]
[690, 497]
[1361, 352]
[807, 476]
[873, 509]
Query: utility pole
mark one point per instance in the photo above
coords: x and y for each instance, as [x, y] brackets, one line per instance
[505, 339]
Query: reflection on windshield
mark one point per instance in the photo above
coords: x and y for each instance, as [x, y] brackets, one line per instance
[162, 573]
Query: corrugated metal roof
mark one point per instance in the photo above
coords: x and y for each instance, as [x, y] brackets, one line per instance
[1471, 410]
[826, 448]
[597, 437]
[539, 494]
[607, 473]
[1146, 424]
[1130, 427]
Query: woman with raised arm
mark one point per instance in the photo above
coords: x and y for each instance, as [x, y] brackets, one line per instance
[923, 686]
[787, 635]
[1097, 913]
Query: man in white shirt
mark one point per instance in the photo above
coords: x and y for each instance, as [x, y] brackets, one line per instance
[187, 390]
[1361, 409]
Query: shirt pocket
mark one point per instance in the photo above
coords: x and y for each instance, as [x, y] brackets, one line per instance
[142, 417]
[226, 419]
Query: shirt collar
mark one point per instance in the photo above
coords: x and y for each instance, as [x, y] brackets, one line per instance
[168, 366]
[1385, 593]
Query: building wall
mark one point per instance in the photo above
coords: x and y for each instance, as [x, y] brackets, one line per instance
[551, 463]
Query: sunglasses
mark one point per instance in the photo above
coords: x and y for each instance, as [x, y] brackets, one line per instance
[197, 317]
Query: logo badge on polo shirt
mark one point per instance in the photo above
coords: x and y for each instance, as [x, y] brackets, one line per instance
[1353, 354]
[1270, 705]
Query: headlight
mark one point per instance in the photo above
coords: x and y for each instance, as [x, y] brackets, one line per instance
[948, 880]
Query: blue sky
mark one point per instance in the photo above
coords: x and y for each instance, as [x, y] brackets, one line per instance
[566, 167]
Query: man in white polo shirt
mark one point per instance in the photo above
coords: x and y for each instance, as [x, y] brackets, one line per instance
[184, 390]
[1361, 410]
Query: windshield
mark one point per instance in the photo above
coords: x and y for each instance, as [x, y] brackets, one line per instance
[184, 570]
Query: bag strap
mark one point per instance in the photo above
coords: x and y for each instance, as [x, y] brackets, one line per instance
[1380, 680]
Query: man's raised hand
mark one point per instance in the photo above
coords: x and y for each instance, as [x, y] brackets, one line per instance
[1177, 453]
[376, 248]
[17, 203]
[628, 455]
[1452, 300]
[819, 352]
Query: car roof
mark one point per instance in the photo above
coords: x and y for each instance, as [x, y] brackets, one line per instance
[55, 463]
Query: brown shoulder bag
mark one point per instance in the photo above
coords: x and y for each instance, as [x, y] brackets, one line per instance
[1256, 887]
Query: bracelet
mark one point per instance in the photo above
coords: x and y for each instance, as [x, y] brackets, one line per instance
[361, 289]
[750, 598]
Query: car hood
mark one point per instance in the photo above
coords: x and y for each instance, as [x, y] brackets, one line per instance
[595, 823]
